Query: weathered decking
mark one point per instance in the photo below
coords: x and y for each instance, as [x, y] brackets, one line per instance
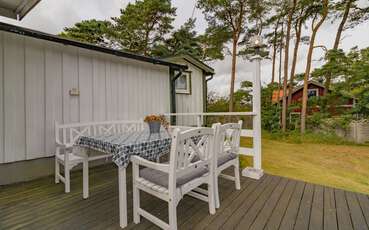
[270, 203]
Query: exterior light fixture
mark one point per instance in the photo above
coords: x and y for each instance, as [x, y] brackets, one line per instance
[256, 41]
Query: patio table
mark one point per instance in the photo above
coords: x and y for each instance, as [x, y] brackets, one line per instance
[122, 147]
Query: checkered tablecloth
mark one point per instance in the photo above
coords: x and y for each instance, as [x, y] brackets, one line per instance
[123, 146]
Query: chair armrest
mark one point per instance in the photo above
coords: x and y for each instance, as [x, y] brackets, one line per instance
[64, 146]
[158, 166]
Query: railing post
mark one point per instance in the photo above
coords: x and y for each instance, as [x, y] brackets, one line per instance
[256, 171]
[199, 119]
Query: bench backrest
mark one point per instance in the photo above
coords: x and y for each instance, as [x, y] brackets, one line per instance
[68, 134]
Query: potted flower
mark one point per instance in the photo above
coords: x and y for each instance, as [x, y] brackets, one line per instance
[155, 122]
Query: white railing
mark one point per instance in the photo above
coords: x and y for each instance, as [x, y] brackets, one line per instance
[255, 151]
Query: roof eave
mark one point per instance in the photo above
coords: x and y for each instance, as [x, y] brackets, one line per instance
[207, 69]
[53, 38]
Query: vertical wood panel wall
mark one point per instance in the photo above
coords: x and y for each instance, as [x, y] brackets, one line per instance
[35, 79]
[186, 103]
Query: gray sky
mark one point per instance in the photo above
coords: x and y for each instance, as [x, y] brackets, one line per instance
[52, 16]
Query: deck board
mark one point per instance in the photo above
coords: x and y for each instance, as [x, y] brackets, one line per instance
[317, 210]
[269, 203]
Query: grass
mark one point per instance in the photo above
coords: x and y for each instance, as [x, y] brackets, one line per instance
[337, 164]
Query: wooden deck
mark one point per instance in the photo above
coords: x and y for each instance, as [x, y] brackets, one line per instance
[270, 203]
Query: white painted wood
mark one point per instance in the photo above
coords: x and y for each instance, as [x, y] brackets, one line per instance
[35, 91]
[85, 86]
[212, 114]
[35, 98]
[14, 98]
[112, 90]
[67, 134]
[85, 178]
[256, 108]
[70, 81]
[182, 152]
[228, 142]
[122, 181]
[53, 95]
[99, 89]
[256, 171]
[186, 103]
[2, 155]
[247, 133]
[123, 100]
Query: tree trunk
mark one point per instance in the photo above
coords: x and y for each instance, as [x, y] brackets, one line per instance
[280, 66]
[298, 28]
[308, 65]
[274, 50]
[338, 38]
[233, 73]
[279, 73]
[273, 63]
[285, 70]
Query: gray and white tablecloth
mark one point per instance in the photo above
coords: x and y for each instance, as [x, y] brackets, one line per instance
[123, 146]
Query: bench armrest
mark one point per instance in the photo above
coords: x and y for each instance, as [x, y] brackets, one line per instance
[64, 146]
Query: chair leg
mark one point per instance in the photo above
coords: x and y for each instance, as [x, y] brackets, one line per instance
[85, 179]
[57, 171]
[216, 189]
[212, 195]
[136, 195]
[67, 178]
[136, 205]
[237, 175]
[172, 211]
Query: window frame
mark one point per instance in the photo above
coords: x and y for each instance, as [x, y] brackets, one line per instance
[188, 82]
[313, 89]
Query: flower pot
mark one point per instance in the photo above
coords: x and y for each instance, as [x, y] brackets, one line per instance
[154, 126]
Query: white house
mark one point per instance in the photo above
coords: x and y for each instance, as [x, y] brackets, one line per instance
[45, 78]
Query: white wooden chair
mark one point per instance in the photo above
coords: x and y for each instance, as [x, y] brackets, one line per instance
[170, 182]
[69, 155]
[228, 140]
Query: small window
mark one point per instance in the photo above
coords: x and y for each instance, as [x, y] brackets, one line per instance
[183, 83]
[313, 93]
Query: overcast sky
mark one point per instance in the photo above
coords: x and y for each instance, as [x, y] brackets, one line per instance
[52, 16]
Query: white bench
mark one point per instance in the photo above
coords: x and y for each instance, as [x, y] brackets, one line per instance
[69, 155]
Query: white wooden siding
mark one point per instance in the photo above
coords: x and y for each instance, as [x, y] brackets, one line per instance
[14, 98]
[35, 92]
[35, 79]
[2, 155]
[187, 103]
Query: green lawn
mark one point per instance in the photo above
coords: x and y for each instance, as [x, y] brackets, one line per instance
[340, 166]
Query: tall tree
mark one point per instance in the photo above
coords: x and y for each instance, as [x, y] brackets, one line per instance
[348, 11]
[299, 21]
[181, 41]
[91, 31]
[205, 47]
[229, 15]
[212, 43]
[143, 24]
[291, 10]
[275, 47]
[319, 12]
[281, 41]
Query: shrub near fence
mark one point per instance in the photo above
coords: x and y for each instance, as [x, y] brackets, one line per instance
[358, 131]
[355, 130]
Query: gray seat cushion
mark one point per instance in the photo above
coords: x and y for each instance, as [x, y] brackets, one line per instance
[161, 178]
[221, 159]
[225, 158]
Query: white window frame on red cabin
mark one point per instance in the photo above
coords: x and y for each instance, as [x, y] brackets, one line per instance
[316, 90]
